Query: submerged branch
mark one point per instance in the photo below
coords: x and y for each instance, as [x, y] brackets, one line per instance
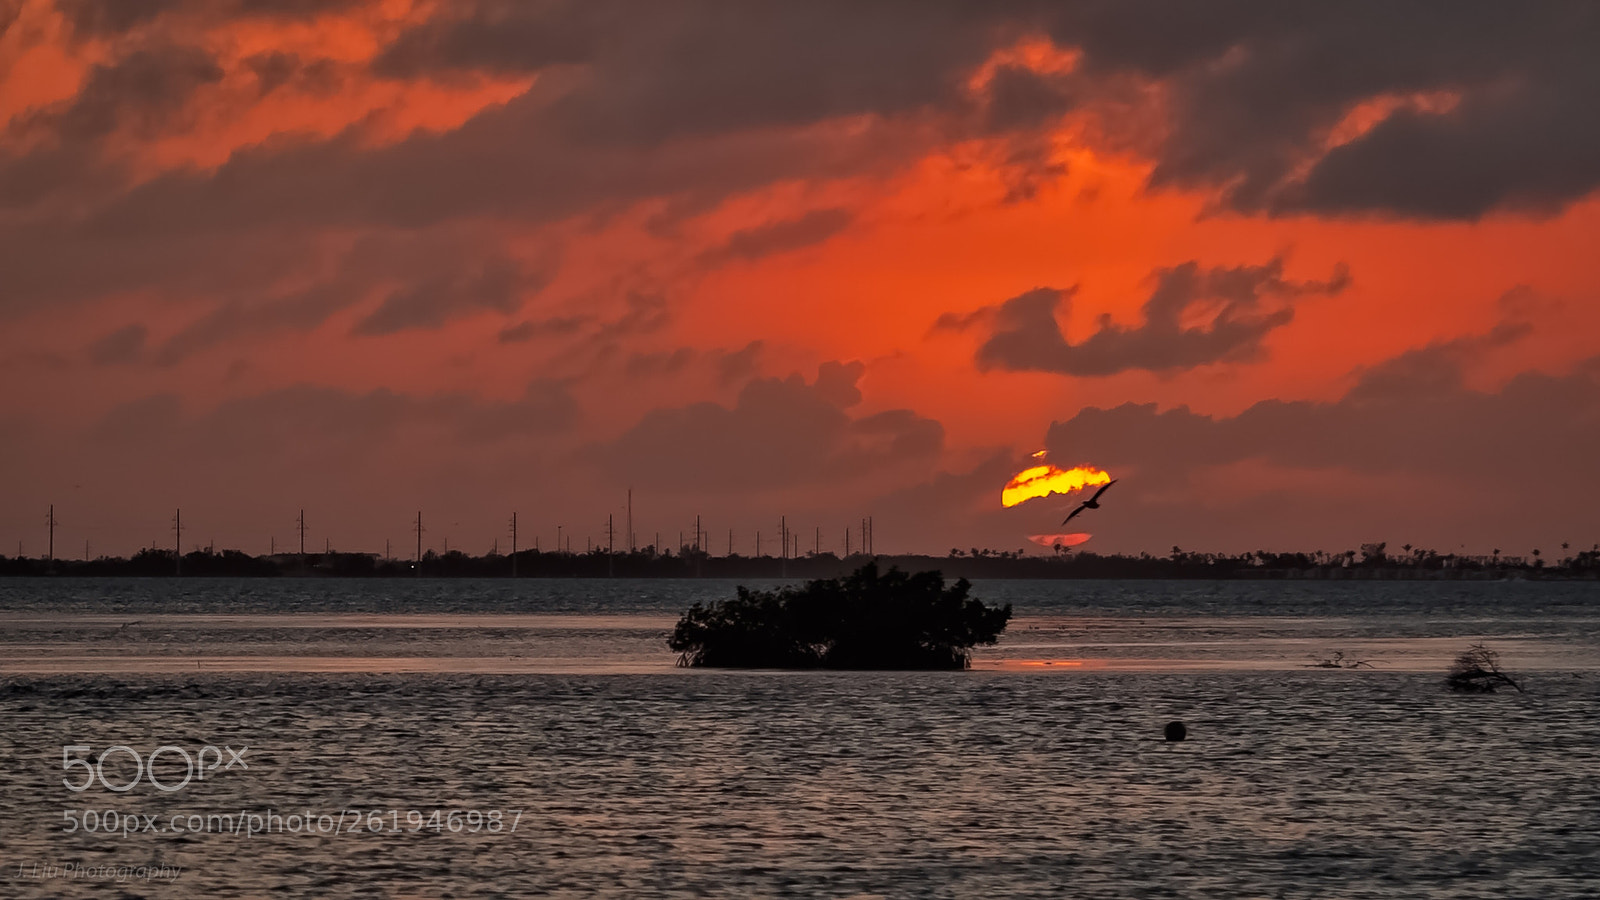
[1477, 670]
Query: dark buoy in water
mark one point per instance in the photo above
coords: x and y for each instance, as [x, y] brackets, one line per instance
[1176, 731]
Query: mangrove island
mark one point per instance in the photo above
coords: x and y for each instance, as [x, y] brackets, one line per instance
[865, 620]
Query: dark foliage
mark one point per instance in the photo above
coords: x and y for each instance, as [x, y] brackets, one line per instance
[1477, 670]
[689, 562]
[865, 620]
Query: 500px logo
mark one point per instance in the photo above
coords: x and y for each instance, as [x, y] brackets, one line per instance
[144, 767]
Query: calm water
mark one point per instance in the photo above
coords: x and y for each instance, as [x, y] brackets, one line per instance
[553, 708]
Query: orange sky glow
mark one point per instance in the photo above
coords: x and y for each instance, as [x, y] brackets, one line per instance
[391, 255]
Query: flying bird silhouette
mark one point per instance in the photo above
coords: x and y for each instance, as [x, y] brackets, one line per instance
[1091, 503]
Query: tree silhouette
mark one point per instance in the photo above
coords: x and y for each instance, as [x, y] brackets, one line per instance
[862, 621]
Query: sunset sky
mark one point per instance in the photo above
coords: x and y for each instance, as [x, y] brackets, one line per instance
[1298, 275]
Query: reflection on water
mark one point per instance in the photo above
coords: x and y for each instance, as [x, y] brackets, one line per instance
[635, 779]
[1307, 784]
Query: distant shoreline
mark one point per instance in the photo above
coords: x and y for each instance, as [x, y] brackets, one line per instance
[1583, 566]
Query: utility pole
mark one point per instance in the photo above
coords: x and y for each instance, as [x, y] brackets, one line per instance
[847, 542]
[611, 541]
[513, 545]
[697, 533]
[419, 543]
[558, 538]
[50, 553]
[301, 524]
[177, 542]
[730, 541]
[783, 531]
[758, 543]
[872, 543]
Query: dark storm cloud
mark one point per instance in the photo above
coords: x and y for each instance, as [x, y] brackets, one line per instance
[432, 277]
[781, 236]
[1434, 370]
[111, 18]
[659, 363]
[124, 345]
[528, 330]
[729, 77]
[55, 262]
[545, 407]
[780, 433]
[1462, 164]
[961, 508]
[142, 91]
[505, 163]
[299, 311]
[1254, 86]
[738, 364]
[1024, 334]
[1412, 415]
[100, 18]
[497, 284]
[287, 420]
[41, 173]
[1020, 98]
[669, 71]
[727, 366]
[275, 70]
[498, 37]
[690, 103]
[9, 11]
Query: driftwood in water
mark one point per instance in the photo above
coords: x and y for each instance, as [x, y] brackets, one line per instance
[1477, 670]
[1336, 661]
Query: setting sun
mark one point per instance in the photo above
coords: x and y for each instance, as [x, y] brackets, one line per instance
[1042, 481]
